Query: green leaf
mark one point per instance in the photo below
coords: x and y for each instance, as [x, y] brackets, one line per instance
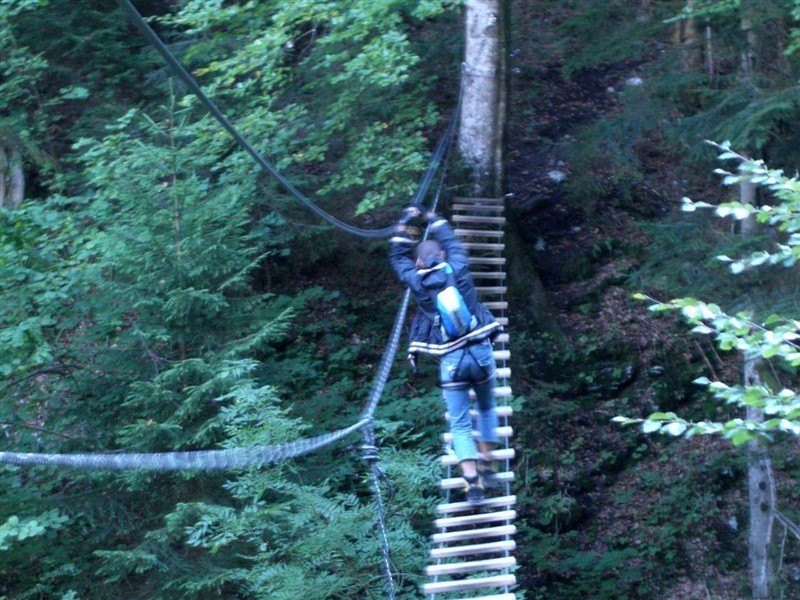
[741, 436]
[649, 426]
[675, 428]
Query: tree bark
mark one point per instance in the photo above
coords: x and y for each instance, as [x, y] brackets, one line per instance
[687, 38]
[645, 10]
[3, 174]
[749, 56]
[12, 175]
[760, 481]
[17, 178]
[761, 488]
[483, 109]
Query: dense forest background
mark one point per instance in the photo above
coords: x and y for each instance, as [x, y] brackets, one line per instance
[159, 292]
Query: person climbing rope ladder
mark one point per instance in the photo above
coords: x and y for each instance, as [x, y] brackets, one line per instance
[452, 325]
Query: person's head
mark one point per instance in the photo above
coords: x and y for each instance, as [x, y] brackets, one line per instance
[428, 253]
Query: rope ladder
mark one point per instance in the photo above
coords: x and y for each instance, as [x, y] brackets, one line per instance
[472, 549]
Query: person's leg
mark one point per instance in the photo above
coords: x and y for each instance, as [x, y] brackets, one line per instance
[456, 396]
[484, 371]
[464, 446]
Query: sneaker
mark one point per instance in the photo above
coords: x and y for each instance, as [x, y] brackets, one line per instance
[487, 469]
[473, 489]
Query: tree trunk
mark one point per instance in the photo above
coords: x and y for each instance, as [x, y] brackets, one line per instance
[748, 57]
[17, 178]
[3, 174]
[709, 52]
[760, 482]
[12, 175]
[483, 110]
[687, 38]
[645, 10]
[761, 488]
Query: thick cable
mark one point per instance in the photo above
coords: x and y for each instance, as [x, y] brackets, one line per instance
[190, 82]
[176, 461]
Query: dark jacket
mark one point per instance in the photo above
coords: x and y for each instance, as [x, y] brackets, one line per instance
[425, 336]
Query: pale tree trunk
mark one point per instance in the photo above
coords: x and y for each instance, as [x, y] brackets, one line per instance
[17, 178]
[3, 171]
[687, 38]
[760, 480]
[645, 10]
[483, 110]
[761, 488]
[709, 54]
[748, 58]
[12, 176]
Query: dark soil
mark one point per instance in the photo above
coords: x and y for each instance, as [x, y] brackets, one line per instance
[618, 359]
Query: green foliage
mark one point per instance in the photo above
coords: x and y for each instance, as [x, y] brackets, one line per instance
[343, 91]
[136, 311]
[591, 41]
[772, 338]
[15, 529]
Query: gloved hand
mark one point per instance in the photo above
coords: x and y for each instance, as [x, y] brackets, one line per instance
[412, 211]
[409, 213]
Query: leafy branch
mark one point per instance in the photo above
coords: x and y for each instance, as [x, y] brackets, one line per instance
[776, 338]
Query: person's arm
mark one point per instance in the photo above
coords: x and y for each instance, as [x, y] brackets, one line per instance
[401, 250]
[455, 252]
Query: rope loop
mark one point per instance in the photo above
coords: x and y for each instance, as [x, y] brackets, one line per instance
[370, 453]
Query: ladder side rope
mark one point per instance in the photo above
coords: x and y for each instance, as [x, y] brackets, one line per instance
[233, 457]
[370, 445]
[226, 458]
[179, 69]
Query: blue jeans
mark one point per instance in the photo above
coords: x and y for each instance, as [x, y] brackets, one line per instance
[472, 367]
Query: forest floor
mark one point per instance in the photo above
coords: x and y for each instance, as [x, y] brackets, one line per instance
[584, 257]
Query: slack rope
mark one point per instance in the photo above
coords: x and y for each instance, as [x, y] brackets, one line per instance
[179, 69]
[230, 458]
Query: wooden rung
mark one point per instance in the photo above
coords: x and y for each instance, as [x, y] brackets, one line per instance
[488, 275]
[472, 566]
[450, 460]
[494, 289]
[472, 549]
[501, 339]
[504, 373]
[473, 534]
[456, 507]
[479, 220]
[501, 391]
[487, 260]
[496, 305]
[474, 201]
[465, 233]
[509, 596]
[502, 432]
[476, 519]
[484, 246]
[502, 354]
[502, 411]
[502, 320]
[477, 583]
[486, 207]
[457, 483]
